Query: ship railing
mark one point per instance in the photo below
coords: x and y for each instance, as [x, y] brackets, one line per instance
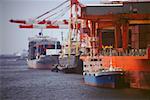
[122, 52]
[92, 66]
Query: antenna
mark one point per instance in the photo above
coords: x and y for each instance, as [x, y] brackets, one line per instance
[41, 33]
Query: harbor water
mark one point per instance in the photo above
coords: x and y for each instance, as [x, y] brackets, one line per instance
[20, 83]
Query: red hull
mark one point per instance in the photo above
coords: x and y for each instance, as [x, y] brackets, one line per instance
[128, 63]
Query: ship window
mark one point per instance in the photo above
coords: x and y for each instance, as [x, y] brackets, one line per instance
[58, 46]
[46, 46]
[58, 43]
[93, 59]
[51, 47]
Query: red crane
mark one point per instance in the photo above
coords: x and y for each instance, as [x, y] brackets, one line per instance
[46, 23]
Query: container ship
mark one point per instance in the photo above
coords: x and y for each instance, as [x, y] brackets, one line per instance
[43, 52]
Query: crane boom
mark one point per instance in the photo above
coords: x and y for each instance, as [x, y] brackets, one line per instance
[43, 26]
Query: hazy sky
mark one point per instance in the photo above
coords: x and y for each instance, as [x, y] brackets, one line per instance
[0, 27]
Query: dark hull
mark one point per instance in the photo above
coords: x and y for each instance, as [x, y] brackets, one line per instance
[75, 65]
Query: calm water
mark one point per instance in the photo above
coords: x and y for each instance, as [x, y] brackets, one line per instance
[20, 83]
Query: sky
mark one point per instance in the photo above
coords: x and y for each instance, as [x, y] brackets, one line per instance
[0, 27]
[13, 39]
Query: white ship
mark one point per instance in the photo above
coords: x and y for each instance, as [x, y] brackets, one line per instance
[43, 52]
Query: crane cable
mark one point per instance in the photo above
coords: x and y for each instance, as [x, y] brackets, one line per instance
[52, 9]
[57, 12]
[61, 15]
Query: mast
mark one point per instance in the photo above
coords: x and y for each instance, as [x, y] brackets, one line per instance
[70, 32]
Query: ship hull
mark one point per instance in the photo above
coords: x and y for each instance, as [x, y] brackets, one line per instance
[137, 68]
[106, 79]
[44, 63]
[75, 65]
